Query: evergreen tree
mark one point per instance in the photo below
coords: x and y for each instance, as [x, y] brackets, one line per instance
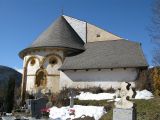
[9, 99]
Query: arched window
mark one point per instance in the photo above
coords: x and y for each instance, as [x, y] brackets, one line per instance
[53, 61]
[32, 62]
[41, 79]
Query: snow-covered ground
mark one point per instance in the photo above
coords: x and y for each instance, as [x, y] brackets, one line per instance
[63, 112]
[92, 111]
[144, 94]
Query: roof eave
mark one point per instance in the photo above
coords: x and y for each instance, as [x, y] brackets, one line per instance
[141, 67]
[30, 49]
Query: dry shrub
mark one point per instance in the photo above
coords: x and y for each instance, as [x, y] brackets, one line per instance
[95, 90]
[110, 90]
[155, 80]
[150, 80]
[61, 99]
[77, 90]
[143, 81]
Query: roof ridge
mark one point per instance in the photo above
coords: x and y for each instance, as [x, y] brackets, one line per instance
[72, 28]
[74, 18]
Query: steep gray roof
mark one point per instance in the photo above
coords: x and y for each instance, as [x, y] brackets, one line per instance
[107, 54]
[59, 34]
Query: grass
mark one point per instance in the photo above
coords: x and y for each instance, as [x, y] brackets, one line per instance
[146, 109]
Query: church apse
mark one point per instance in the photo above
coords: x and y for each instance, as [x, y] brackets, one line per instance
[42, 70]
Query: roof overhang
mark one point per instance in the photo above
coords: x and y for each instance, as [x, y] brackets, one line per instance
[67, 50]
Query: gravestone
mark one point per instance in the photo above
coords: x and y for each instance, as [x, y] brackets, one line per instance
[37, 105]
[28, 105]
[125, 109]
[71, 96]
[49, 94]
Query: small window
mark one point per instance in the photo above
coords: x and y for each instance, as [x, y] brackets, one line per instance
[32, 62]
[52, 61]
[98, 35]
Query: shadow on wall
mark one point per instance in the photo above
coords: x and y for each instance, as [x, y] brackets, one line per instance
[105, 75]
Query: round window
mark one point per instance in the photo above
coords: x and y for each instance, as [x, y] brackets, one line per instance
[32, 62]
[52, 60]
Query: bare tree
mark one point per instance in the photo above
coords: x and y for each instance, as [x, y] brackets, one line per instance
[155, 32]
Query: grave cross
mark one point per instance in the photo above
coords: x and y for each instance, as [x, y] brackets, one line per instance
[125, 109]
[125, 92]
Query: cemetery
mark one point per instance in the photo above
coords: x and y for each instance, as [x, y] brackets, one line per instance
[76, 70]
[93, 104]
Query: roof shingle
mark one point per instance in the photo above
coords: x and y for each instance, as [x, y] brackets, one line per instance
[107, 54]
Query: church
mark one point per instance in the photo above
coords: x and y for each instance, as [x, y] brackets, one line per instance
[72, 53]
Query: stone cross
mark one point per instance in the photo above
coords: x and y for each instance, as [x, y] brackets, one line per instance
[125, 93]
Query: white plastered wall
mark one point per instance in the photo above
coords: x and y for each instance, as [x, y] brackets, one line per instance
[97, 34]
[105, 78]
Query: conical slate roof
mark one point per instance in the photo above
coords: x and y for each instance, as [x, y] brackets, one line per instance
[60, 34]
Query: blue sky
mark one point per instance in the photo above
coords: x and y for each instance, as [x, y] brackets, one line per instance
[22, 21]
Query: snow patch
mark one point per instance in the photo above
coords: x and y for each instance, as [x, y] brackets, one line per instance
[63, 112]
[144, 94]
[99, 96]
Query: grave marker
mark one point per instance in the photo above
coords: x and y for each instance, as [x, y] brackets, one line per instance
[125, 109]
